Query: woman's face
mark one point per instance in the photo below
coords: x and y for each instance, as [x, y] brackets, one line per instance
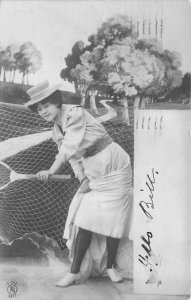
[48, 111]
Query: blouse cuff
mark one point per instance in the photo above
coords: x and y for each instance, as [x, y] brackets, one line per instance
[78, 168]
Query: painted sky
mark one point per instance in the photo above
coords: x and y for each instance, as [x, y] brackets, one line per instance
[54, 26]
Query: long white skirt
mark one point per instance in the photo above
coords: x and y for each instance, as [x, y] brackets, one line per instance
[106, 210]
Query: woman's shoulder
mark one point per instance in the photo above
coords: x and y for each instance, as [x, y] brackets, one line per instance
[70, 108]
[71, 114]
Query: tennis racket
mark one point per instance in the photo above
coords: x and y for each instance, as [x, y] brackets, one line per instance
[7, 176]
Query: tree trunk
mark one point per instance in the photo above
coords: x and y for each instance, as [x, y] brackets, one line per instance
[23, 79]
[10, 73]
[114, 99]
[4, 75]
[76, 86]
[144, 102]
[137, 102]
[27, 78]
[83, 99]
[13, 78]
[93, 107]
[125, 116]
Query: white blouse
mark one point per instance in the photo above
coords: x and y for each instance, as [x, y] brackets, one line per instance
[79, 130]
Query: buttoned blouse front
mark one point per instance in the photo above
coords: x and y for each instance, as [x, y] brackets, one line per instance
[79, 130]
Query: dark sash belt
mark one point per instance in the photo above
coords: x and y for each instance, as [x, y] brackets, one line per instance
[99, 145]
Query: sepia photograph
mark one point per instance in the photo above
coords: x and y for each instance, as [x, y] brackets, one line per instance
[95, 143]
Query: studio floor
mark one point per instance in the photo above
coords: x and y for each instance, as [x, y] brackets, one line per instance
[38, 283]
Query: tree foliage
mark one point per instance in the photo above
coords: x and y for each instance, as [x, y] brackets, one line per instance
[114, 29]
[186, 85]
[171, 61]
[29, 59]
[72, 60]
[182, 93]
[24, 59]
[129, 66]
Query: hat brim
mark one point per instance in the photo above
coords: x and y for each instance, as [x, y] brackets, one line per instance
[44, 95]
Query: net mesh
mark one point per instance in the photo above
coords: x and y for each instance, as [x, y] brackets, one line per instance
[27, 206]
[5, 175]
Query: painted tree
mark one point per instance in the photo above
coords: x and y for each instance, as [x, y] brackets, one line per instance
[83, 77]
[11, 50]
[115, 28]
[182, 93]
[3, 63]
[154, 46]
[25, 59]
[72, 60]
[29, 60]
[171, 60]
[186, 85]
[115, 59]
[131, 72]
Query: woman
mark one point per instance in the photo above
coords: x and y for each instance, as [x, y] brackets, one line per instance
[100, 213]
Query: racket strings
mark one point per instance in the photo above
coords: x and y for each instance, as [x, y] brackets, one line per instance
[4, 175]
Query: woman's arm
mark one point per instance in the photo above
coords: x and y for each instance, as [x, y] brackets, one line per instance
[78, 169]
[74, 132]
[44, 174]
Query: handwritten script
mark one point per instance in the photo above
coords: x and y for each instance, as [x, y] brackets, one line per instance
[147, 248]
[150, 188]
[147, 257]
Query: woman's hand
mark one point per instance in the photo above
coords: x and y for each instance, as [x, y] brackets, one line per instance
[43, 175]
[84, 187]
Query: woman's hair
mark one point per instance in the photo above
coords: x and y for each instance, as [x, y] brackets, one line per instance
[54, 98]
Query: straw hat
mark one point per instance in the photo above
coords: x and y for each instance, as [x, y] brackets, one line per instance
[41, 91]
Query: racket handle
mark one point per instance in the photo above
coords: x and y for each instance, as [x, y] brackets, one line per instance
[51, 177]
[60, 177]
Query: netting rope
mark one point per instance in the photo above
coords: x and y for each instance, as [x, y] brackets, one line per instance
[26, 146]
